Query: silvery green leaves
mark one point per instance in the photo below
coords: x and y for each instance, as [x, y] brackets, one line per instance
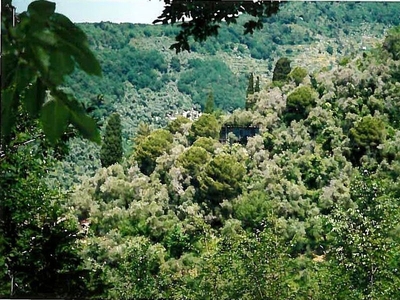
[38, 53]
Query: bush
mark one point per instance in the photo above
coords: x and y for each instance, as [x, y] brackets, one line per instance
[176, 125]
[369, 132]
[175, 64]
[299, 103]
[222, 178]
[150, 148]
[193, 161]
[298, 74]
[206, 126]
[365, 136]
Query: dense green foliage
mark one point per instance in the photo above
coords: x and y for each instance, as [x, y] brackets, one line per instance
[298, 74]
[296, 212]
[205, 126]
[250, 86]
[39, 234]
[299, 103]
[305, 209]
[209, 106]
[139, 55]
[111, 149]
[151, 147]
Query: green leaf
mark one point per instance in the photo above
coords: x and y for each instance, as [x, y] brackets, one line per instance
[87, 61]
[85, 124]
[8, 70]
[34, 97]
[61, 64]
[7, 112]
[41, 10]
[74, 41]
[42, 58]
[23, 77]
[67, 30]
[54, 116]
[45, 38]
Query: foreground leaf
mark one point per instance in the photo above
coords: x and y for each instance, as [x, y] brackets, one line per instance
[33, 98]
[41, 10]
[54, 117]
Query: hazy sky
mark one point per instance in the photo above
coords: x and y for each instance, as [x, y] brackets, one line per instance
[132, 11]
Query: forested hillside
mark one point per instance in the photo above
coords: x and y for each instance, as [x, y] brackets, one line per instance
[146, 82]
[307, 208]
[301, 203]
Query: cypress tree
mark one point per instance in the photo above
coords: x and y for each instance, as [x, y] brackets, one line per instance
[282, 69]
[250, 91]
[257, 87]
[250, 87]
[209, 106]
[111, 149]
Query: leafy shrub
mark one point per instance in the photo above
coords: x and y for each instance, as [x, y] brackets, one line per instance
[206, 126]
[369, 132]
[150, 148]
[176, 125]
[252, 209]
[206, 143]
[221, 178]
[175, 64]
[344, 61]
[298, 74]
[193, 161]
[365, 137]
[299, 103]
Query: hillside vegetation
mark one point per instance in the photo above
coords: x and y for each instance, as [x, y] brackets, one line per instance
[146, 82]
[307, 208]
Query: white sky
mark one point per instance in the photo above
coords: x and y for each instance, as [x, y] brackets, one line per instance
[117, 11]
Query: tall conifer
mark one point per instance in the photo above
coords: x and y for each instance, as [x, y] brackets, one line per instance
[209, 106]
[111, 149]
[282, 69]
[250, 87]
[257, 87]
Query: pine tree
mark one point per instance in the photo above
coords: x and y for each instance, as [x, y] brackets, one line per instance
[209, 106]
[250, 91]
[111, 149]
[250, 87]
[142, 132]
